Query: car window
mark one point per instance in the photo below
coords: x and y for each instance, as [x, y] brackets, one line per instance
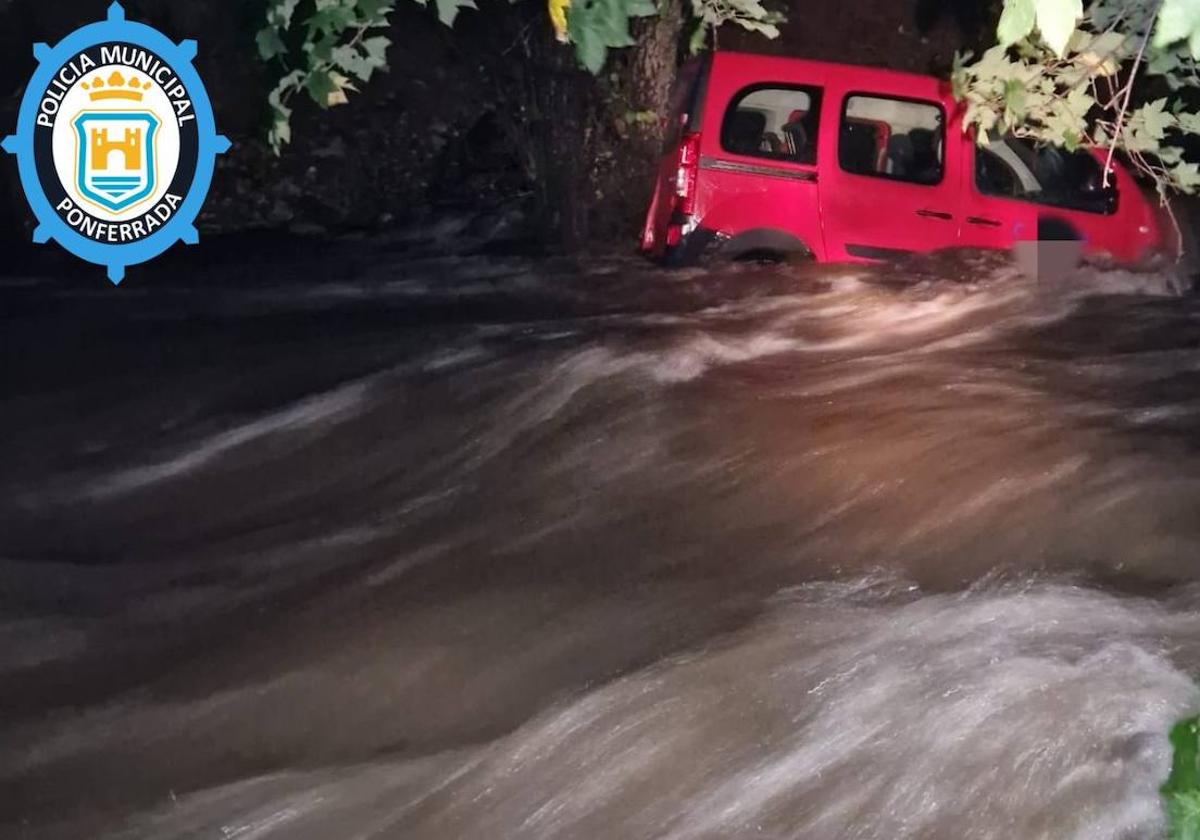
[1015, 168]
[892, 138]
[777, 122]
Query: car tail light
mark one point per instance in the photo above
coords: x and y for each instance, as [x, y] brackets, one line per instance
[685, 177]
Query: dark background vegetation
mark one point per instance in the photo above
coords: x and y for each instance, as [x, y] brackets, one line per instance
[491, 114]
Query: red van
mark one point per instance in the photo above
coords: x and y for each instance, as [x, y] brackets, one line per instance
[772, 155]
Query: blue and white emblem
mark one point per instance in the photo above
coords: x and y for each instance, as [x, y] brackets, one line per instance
[115, 167]
[116, 143]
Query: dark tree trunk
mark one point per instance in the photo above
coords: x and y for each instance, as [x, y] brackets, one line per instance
[565, 99]
[546, 106]
[648, 79]
[591, 170]
[652, 68]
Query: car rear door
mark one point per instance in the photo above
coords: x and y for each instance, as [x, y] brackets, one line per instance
[758, 185]
[891, 173]
[687, 101]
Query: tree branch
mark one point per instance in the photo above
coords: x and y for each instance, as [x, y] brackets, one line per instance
[1137, 63]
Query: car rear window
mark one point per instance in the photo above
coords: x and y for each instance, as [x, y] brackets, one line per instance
[1014, 168]
[774, 121]
[898, 139]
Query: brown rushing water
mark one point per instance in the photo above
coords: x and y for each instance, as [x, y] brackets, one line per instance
[387, 546]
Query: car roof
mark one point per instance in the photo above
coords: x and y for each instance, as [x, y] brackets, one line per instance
[742, 63]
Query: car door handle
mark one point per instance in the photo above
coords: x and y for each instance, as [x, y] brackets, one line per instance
[980, 220]
[934, 214]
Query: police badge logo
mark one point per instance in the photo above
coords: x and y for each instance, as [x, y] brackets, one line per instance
[116, 143]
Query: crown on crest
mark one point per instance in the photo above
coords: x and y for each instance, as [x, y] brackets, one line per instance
[116, 87]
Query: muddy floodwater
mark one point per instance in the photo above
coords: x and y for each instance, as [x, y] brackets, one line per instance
[348, 542]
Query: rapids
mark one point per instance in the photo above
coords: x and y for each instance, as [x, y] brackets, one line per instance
[362, 542]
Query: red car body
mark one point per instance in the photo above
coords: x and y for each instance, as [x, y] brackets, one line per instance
[859, 164]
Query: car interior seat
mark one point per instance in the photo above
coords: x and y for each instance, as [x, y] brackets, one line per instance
[857, 148]
[900, 155]
[796, 137]
[926, 164]
[744, 132]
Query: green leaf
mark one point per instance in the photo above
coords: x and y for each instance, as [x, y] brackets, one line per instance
[1016, 21]
[448, 9]
[1163, 62]
[1080, 102]
[996, 64]
[286, 86]
[374, 11]
[349, 59]
[1014, 98]
[330, 20]
[1107, 45]
[591, 52]
[770, 30]
[960, 77]
[280, 135]
[279, 14]
[319, 86]
[1154, 119]
[596, 26]
[1170, 155]
[1056, 21]
[699, 38]
[269, 43]
[377, 48]
[1188, 122]
[1179, 20]
[320, 51]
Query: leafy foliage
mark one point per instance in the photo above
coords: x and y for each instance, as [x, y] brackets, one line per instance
[326, 54]
[337, 44]
[1066, 76]
[447, 10]
[597, 26]
[711, 15]
[1182, 788]
[1179, 21]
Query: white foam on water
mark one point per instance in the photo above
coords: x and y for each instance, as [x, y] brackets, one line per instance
[320, 409]
[918, 427]
[860, 709]
[701, 352]
[1037, 714]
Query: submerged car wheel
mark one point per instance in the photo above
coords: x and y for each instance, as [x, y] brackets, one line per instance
[760, 245]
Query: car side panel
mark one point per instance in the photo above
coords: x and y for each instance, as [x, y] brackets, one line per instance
[1126, 235]
[825, 208]
[737, 193]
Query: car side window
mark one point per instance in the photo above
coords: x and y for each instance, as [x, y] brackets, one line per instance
[898, 139]
[1012, 167]
[779, 122]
